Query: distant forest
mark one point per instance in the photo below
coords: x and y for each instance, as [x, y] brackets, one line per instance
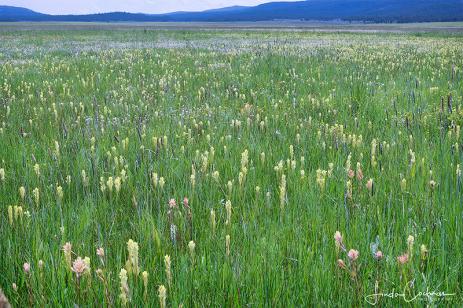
[383, 11]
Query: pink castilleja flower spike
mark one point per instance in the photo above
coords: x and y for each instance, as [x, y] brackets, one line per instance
[353, 254]
[378, 255]
[172, 203]
[359, 174]
[350, 173]
[27, 268]
[185, 202]
[79, 266]
[67, 247]
[100, 252]
[402, 259]
[338, 240]
[338, 237]
[341, 264]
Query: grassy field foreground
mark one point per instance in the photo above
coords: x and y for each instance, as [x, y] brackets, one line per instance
[230, 168]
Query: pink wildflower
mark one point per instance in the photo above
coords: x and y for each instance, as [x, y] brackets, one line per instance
[100, 252]
[27, 268]
[378, 255]
[403, 259]
[172, 203]
[353, 254]
[79, 266]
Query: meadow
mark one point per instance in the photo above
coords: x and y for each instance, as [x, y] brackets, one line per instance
[231, 168]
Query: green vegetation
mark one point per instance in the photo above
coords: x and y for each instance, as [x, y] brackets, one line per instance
[276, 139]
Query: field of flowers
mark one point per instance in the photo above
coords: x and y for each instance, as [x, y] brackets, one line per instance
[231, 168]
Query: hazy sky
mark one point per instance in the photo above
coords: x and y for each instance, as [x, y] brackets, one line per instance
[143, 6]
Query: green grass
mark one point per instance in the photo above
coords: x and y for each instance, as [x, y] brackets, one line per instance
[210, 96]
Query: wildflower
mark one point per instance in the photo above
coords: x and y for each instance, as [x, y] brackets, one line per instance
[359, 172]
[155, 179]
[84, 177]
[67, 249]
[402, 259]
[228, 208]
[341, 264]
[244, 159]
[100, 252]
[144, 276]
[10, 215]
[348, 164]
[410, 240]
[330, 169]
[412, 157]
[36, 195]
[349, 189]
[41, 264]
[227, 244]
[282, 191]
[262, 157]
[230, 187]
[432, 184]
[172, 203]
[18, 212]
[162, 296]
[321, 178]
[191, 247]
[102, 184]
[110, 183]
[123, 175]
[125, 143]
[132, 262]
[161, 182]
[59, 193]
[185, 202]
[378, 255]
[27, 268]
[215, 176]
[369, 185]
[124, 287]
[353, 254]
[168, 271]
[338, 240]
[350, 173]
[37, 169]
[117, 184]
[56, 149]
[193, 180]
[242, 176]
[15, 287]
[22, 192]
[403, 184]
[79, 266]
[2, 174]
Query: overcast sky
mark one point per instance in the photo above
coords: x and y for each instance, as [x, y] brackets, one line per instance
[143, 6]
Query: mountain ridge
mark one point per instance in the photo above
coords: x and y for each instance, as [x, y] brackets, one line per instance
[322, 10]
